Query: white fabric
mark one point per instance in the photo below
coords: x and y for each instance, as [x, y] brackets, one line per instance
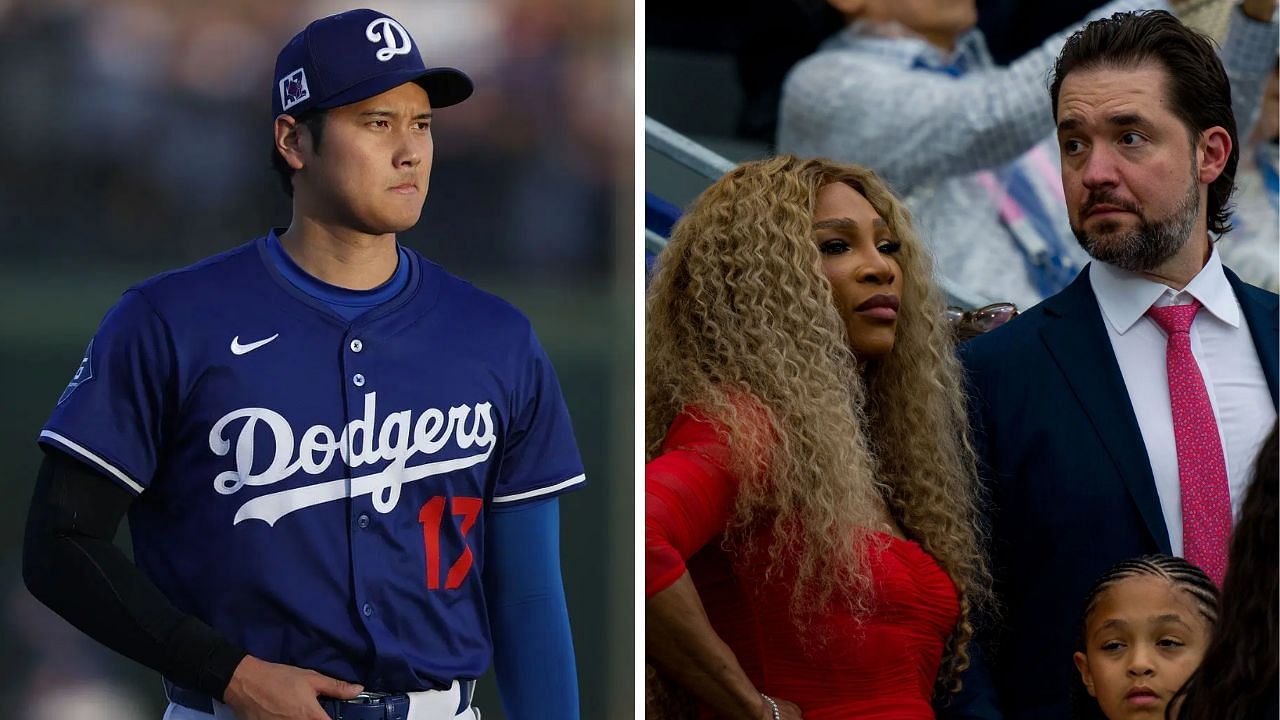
[1228, 360]
[178, 712]
[430, 705]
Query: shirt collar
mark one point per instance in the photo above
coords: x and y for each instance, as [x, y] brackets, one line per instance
[895, 43]
[1125, 297]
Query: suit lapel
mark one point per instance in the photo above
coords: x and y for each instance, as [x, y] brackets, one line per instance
[1076, 338]
[1259, 308]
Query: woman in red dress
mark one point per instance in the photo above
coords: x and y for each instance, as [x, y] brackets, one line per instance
[811, 534]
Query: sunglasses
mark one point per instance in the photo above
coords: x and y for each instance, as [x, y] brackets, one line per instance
[971, 323]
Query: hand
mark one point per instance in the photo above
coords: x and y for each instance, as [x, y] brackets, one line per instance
[1260, 10]
[260, 690]
[786, 710]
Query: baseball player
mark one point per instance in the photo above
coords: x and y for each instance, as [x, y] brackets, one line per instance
[339, 462]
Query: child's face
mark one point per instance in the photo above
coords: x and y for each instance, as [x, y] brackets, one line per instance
[1143, 639]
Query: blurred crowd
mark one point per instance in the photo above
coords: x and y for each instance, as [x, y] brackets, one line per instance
[948, 102]
[141, 128]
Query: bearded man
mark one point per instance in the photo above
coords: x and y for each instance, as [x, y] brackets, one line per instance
[1121, 416]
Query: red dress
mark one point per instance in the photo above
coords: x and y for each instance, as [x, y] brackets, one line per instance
[884, 669]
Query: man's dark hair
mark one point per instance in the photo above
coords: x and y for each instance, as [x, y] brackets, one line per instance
[313, 121]
[1197, 85]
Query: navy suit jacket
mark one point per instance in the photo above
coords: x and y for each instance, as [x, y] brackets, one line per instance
[1069, 485]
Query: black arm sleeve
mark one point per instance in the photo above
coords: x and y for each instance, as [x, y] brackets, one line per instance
[70, 563]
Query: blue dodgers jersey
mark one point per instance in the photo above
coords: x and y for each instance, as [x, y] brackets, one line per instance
[315, 489]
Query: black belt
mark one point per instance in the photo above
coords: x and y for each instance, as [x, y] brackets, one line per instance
[366, 706]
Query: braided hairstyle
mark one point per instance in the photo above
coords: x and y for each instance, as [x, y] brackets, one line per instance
[1179, 573]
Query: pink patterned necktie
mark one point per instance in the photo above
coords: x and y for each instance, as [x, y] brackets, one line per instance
[1202, 473]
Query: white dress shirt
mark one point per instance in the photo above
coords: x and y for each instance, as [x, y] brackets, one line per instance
[1229, 364]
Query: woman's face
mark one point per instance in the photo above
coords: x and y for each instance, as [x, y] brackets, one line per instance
[1143, 640]
[859, 258]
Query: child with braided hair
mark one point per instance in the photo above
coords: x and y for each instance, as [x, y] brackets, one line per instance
[1147, 622]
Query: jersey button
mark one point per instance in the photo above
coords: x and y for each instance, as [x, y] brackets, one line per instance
[363, 521]
[356, 346]
[358, 380]
[367, 609]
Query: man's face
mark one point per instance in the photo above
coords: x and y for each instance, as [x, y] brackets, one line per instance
[1130, 170]
[374, 163]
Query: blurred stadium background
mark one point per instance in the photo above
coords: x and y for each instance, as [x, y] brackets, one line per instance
[135, 137]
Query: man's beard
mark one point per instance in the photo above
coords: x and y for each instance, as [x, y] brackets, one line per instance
[1150, 243]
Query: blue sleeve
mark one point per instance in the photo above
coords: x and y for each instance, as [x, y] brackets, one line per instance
[111, 415]
[540, 456]
[532, 646]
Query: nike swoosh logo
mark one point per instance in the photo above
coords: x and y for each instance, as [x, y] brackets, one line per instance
[239, 349]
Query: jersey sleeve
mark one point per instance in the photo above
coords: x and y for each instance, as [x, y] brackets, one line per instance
[111, 413]
[540, 458]
[524, 596]
[689, 497]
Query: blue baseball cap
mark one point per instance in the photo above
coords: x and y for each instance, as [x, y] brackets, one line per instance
[345, 58]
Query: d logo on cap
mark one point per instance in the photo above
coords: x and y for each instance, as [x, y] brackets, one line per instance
[332, 63]
[398, 43]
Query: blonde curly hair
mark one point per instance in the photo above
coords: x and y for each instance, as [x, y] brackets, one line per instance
[739, 308]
